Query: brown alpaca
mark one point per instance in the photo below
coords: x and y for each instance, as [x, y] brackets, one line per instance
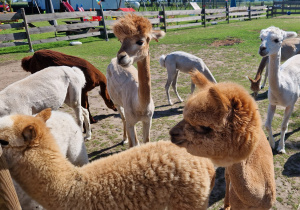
[157, 175]
[222, 122]
[289, 48]
[130, 89]
[45, 58]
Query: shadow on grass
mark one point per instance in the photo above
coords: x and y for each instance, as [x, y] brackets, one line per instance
[100, 154]
[288, 134]
[292, 166]
[167, 113]
[218, 192]
[102, 117]
[261, 96]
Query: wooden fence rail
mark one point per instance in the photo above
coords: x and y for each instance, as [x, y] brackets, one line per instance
[285, 8]
[77, 28]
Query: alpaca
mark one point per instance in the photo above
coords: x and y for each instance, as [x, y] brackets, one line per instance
[284, 80]
[44, 58]
[289, 48]
[156, 175]
[49, 88]
[184, 62]
[69, 139]
[222, 122]
[130, 89]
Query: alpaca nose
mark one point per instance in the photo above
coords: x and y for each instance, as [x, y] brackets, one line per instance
[121, 56]
[262, 48]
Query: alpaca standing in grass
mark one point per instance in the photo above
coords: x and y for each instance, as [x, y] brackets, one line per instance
[184, 62]
[49, 88]
[130, 89]
[222, 122]
[42, 59]
[289, 48]
[284, 80]
[70, 141]
[156, 175]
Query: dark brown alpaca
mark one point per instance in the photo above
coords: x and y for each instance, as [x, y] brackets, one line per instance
[45, 58]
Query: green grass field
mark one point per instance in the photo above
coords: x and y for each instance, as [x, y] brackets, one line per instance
[227, 63]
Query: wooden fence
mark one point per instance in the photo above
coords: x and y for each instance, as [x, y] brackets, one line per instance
[77, 28]
[284, 8]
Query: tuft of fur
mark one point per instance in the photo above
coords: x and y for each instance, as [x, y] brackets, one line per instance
[222, 122]
[131, 25]
[153, 176]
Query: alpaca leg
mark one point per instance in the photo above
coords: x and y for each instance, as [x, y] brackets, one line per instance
[284, 126]
[171, 74]
[226, 200]
[87, 124]
[174, 85]
[266, 77]
[85, 104]
[121, 111]
[146, 130]
[268, 124]
[132, 137]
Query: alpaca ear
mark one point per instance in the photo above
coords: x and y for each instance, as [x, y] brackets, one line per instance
[29, 133]
[250, 79]
[290, 34]
[199, 79]
[219, 100]
[45, 114]
[157, 35]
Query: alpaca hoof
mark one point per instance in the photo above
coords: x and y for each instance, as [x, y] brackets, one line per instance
[125, 141]
[92, 121]
[170, 103]
[87, 138]
[281, 151]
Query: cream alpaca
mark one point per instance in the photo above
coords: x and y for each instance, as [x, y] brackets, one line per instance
[289, 48]
[284, 80]
[222, 122]
[184, 62]
[153, 176]
[130, 89]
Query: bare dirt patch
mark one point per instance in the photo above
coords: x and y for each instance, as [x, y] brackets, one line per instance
[226, 42]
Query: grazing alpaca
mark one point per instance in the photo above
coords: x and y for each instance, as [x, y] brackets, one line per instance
[49, 88]
[69, 139]
[130, 89]
[44, 58]
[289, 48]
[156, 175]
[184, 62]
[222, 122]
[284, 80]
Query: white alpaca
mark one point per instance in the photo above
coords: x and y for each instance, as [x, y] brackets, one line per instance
[289, 48]
[70, 141]
[49, 88]
[156, 175]
[129, 88]
[284, 80]
[184, 62]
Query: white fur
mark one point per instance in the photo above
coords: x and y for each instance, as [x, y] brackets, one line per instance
[184, 62]
[284, 80]
[68, 136]
[49, 88]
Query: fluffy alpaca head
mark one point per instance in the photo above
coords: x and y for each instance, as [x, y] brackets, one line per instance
[271, 40]
[135, 33]
[26, 63]
[255, 85]
[220, 122]
[22, 131]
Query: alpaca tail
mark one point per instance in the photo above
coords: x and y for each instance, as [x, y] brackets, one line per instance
[80, 76]
[162, 60]
[26, 63]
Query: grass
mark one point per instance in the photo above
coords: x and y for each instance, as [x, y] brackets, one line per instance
[228, 63]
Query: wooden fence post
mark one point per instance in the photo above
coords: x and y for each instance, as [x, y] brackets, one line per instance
[103, 22]
[249, 11]
[165, 18]
[8, 196]
[27, 31]
[203, 18]
[227, 11]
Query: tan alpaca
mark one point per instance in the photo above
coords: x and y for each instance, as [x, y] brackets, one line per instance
[130, 88]
[156, 175]
[222, 122]
[289, 48]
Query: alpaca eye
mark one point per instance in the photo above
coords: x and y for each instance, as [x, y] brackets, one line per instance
[203, 129]
[276, 40]
[140, 42]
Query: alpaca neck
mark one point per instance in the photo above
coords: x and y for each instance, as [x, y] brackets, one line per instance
[261, 67]
[274, 77]
[144, 79]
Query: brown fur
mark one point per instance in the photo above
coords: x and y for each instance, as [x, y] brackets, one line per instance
[152, 176]
[222, 122]
[45, 58]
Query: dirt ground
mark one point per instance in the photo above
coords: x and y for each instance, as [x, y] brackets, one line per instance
[107, 132]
